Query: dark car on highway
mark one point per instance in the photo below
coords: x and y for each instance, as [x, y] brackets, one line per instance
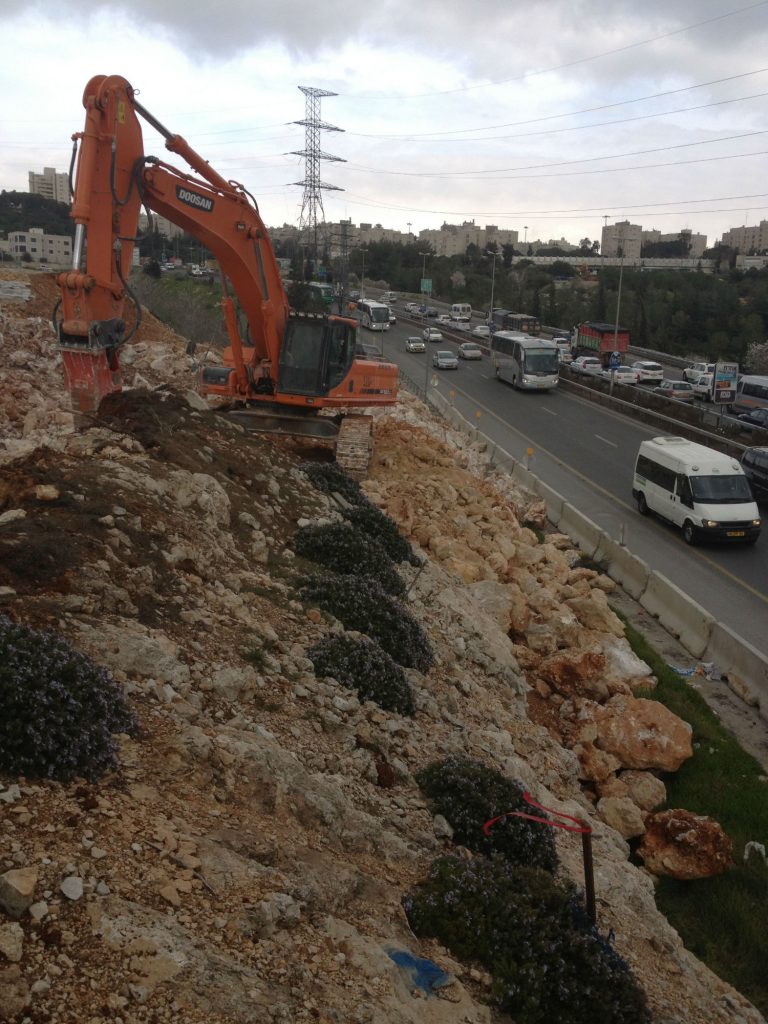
[754, 462]
[755, 420]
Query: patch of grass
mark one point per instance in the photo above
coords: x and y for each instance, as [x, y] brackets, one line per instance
[721, 919]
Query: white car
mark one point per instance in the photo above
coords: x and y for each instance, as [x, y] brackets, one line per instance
[470, 350]
[694, 371]
[445, 361]
[621, 375]
[648, 371]
[586, 365]
[431, 334]
[702, 387]
[481, 331]
[443, 318]
[412, 307]
[415, 345]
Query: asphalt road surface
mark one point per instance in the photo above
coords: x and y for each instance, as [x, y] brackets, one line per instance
[587, 454]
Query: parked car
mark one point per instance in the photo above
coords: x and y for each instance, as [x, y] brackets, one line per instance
[702, 387]
[481, 331]
[621, 375]
[682, 390]
[754, 462]
[415, 345]
[470, 350]
[445, 361]
[693, 372]
[755, 420]
[431, 334]
[648, 371]
[586, 365]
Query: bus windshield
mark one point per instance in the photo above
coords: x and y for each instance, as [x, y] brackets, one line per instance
[543, 360]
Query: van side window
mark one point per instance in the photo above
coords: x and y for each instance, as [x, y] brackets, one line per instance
[684, 491]
[656, 474]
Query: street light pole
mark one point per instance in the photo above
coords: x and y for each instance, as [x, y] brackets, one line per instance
[494, 254]
[426, 343]
[362, 282]
[616, 325]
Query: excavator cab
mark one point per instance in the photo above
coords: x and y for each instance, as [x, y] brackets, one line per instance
[316, 354]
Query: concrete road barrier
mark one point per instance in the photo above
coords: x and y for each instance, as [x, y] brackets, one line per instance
[678, 613]
[580, 529]
[631, 572]
[745, 666]
[554, 501]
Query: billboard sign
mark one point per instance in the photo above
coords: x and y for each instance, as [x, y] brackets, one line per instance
[726, 377]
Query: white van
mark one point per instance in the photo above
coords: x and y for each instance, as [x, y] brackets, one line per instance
[461, 312]
[700, 490]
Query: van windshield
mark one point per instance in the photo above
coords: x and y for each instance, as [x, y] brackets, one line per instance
[721, 490]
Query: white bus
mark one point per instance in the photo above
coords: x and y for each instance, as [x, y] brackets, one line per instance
[373, 315]
[461, 312]
[531, 364]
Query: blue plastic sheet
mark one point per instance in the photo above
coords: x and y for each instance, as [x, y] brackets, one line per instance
[419, 973]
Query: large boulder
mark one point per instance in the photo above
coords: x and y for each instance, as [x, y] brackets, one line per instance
[642, 733]
[684, 845]
[622, 814]
[576, 673]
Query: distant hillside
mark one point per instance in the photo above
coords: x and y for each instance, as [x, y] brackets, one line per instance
[20, 211]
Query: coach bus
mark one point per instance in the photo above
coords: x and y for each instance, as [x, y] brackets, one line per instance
[531, 364]
[373, 315]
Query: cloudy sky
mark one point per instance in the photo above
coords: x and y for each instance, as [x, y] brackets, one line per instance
[542, 114]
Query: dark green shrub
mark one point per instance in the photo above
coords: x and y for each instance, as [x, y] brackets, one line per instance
[342, 548]
[329, 477]
[468, 793]
[57, 709]
[362, 665]
[525, 928]
[377, 524]
[362, 604]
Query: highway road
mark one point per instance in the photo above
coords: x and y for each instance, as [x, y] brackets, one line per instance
[587, 454]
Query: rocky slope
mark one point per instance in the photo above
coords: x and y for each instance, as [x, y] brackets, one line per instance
[247, 862]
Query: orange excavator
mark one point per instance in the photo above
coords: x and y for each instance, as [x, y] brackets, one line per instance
[287, 368]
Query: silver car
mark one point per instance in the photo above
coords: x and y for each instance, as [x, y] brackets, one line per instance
[470, 350]
[445, 361]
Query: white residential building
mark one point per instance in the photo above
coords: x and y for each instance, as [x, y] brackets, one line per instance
[747, 240]
[622, 238]
[42, 248]
[453, 239]
[51, 184]
[696, 243]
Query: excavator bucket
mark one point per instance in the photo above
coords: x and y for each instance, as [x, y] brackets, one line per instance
[89, 375]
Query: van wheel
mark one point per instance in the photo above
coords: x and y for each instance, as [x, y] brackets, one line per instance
[642, 504]
[689, 534]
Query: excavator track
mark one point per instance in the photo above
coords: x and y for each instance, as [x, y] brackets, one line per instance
[354, 445]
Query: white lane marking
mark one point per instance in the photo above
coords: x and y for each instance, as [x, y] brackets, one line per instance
[606, 441]
[545, 409]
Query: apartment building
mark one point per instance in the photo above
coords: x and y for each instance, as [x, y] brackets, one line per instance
[695, 244]
[453, 239]
[748, 239]
[42, 248]
[164, 226]
[622, 239]
[51, 183]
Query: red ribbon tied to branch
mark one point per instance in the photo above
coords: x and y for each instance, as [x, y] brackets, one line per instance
[578, 826]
